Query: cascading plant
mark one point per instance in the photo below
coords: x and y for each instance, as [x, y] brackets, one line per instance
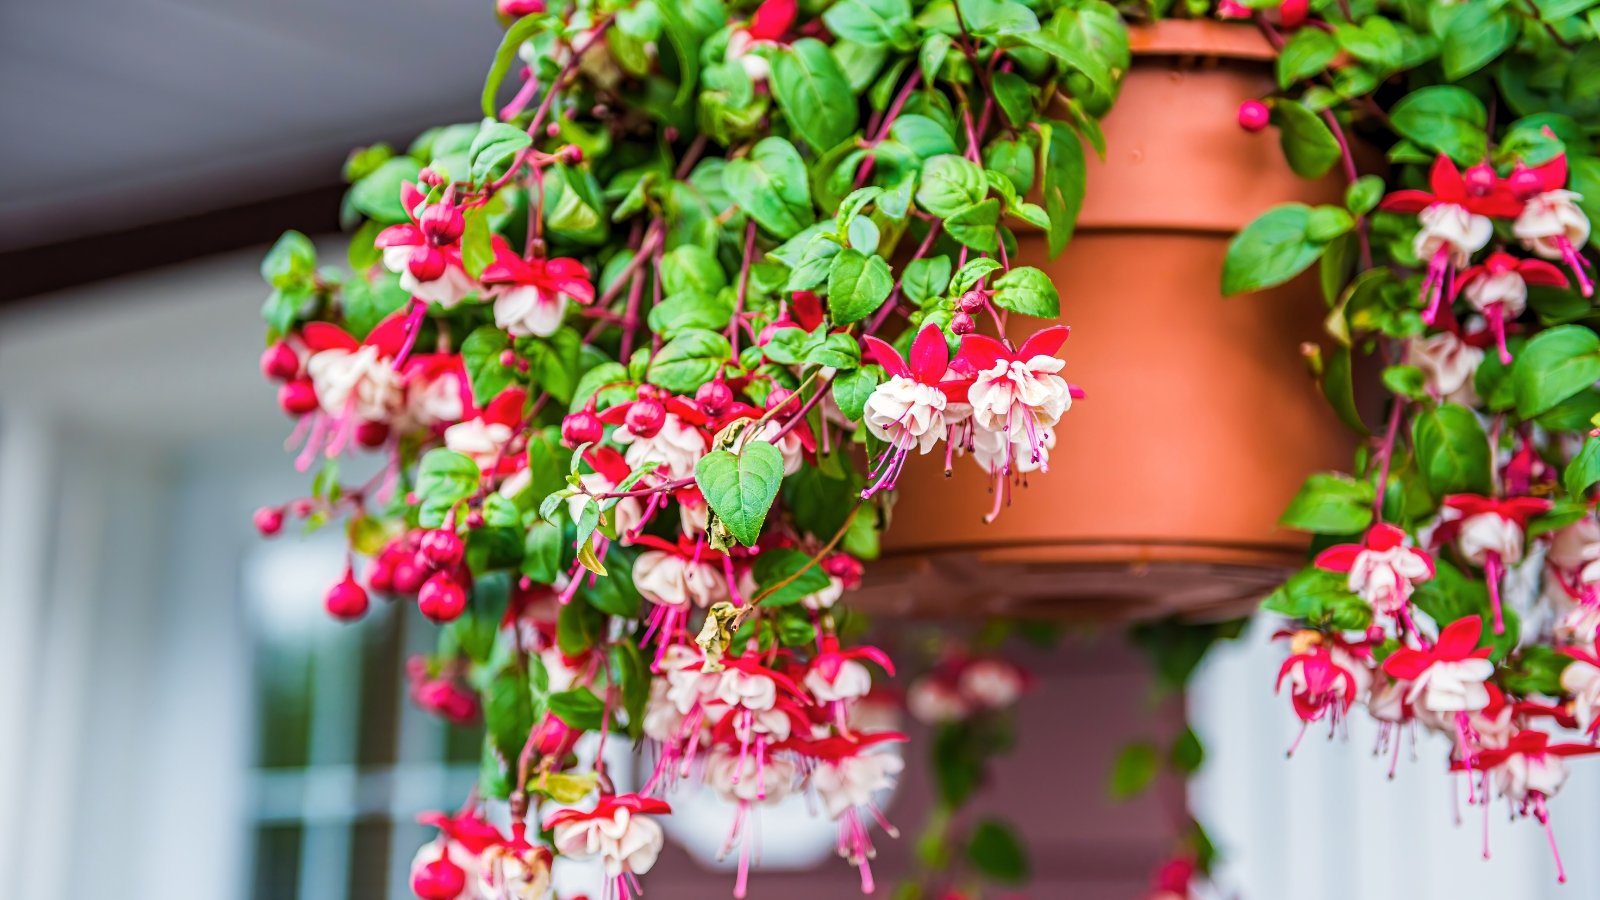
[643, 353]
[1454, 587]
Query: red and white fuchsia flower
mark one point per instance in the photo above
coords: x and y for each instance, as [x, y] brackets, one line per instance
[1455, 223]
[427, 252]
[619, 831]
[1489, 533]
[907, 410]
[1551, 223]
[531, 294]
[1325, 676]
[1449, 363]
[1383, 570]
[1498, 288]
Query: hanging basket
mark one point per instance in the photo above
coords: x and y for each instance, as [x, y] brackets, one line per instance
[1201, 420]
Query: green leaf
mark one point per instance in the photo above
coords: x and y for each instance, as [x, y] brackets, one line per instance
[1363, 195]
[1478, 32]
[495, 145]
[292, 260]
[1452, 450]
[771, 186]
[1029, 292]
[1338, 386]
[1064, 178]
[1584, 470]
[740, 488]
[1134, 770]
[851, 390]
[775, 566]
[377, 196]
[1555, 365]
[1307, 53]
[542, 549]
[1270, 250]
[997, 852]
[477, 247]
[1308, 145]
[950, 183]
[872, 23]
[579, 626]
[926, 278]
[973, 272]
[1310, 594]
[1186, 753]
[632, 676]
[1015, 97]
[1445, 118]
[857, 285]
[481, 353]
[689, 360]
[579, 708]
[922, 136]
[444, 479]
[975, 225]
[1330, 503]
[507, 713]
[989, 18]
[520, 31]
[812, 92]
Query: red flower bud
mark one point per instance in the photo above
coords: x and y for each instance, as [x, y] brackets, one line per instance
[269, 520]
[439, 880]
[430, 178]
[1253, 116]
[582, 427]
[427, 263]
[1479, 180]
[772, 19]
[844, 567]
[442, 598]
[714, 397]
[279, 362]
[475, 519]
[300, 508]
[441, 548]
[1525, 184]
[645, 417]
[297, 397]
[380, 575]
[372, 434]
[574, 154]
[442, 224]
[961, 323]
[970, 302]
[346, 600]
[407, 577]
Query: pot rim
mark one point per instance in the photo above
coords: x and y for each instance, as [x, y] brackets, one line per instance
[1200, 37]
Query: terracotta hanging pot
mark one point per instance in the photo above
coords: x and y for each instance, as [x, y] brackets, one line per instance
[1201, 420]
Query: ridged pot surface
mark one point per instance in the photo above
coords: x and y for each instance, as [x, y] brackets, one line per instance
[1201, 420]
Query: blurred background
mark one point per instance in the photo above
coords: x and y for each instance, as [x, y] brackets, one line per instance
[179, 719]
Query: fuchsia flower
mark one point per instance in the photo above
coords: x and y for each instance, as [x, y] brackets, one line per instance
[771, 21]
[1528, 771]
[1448, 677]
[846, 776]
[1016, 393]
[908, 410]
[1551, 223]
[1455, 223]
[1449, 362]
[445, 867]
[1498, 288]
[837, 676]
[1324, 677]
[426, 252]
[354, 383]
[1581, 679]
[532, 295]
[1383, 570]
[1489, 533]
[488, 437]
[619, 831]
[676, 578]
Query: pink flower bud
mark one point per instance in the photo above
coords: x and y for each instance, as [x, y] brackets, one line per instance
[279, 362]
[970, 302]
[961, 323]
[442, 598]
[574, 154]
[441, 548]
[582, 427]
[1253, 116]
[714, 397]
[427, 263]
[442, 224]
[300, 508]
[439, 880]
[475, 519]
[297, 397]
[1479, 180]
[407, 576]
[844, 567]
[430, 178]
[269, 520]
[1525, 184]
[346, 600]
[380, 576]
[645, 417]
[552, 130]
[508, 358]
[372, 434]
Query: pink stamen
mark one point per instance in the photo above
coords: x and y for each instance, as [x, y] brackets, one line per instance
[413, 327]
[1569, 254]
[1492, 570]
[1497, 325]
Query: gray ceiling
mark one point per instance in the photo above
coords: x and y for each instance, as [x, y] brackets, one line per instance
[119, 113]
